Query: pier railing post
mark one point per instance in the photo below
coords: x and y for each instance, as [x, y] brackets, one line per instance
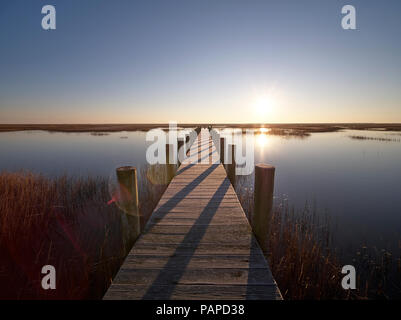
[222, 147]
[128, 188]
[129, 203]
[231, 164]
[263, 197]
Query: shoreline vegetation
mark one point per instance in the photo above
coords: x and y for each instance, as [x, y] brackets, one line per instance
[67, 222]
[306, 263]
[375, 138]
[301, 128]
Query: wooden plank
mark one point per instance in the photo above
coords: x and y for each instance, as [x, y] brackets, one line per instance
[193, 276]
[198, 243]
[205, 261]
[205, 248]
[198, 292]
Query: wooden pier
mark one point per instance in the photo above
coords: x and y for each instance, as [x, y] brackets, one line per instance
[198, 243]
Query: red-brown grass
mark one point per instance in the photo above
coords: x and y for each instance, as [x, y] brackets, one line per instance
[299, 255]
[306, 264]
[66, 223]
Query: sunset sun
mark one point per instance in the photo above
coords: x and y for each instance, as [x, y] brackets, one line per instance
[263, 107]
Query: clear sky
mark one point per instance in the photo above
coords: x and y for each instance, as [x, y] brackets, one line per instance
[148, 61]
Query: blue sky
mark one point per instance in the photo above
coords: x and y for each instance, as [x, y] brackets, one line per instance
[200, 60]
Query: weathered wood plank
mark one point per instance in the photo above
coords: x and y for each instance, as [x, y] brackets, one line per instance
[199, 292]
[195, 276]
[205, 248]
[205, 261]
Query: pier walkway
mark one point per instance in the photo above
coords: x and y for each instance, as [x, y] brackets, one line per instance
[198, 243]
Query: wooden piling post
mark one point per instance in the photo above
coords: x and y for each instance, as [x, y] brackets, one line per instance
[222, 146]
[129, 203]
[231, 164]
[128, 188]
[263, 200]
[170, 167]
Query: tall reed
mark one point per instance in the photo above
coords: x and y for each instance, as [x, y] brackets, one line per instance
[66, 223]
[307, 263]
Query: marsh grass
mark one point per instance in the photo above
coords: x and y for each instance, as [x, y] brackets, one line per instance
[66, 223]
[379, 272]
[307, 263]
[99, 134]
[355, 137]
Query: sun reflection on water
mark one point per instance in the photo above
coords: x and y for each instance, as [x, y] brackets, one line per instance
[262, 137]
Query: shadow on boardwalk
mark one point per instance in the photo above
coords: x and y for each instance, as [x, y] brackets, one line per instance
[194, 236]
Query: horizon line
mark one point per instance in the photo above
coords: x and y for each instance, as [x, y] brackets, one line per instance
[195, 123]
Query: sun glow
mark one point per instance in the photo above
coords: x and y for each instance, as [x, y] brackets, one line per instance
[263, 107]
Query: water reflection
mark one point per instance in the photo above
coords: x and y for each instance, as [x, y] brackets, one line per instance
[261, 140]
[357, 181]
[264, 130]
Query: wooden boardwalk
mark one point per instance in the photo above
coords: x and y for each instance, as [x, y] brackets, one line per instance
[198, 243]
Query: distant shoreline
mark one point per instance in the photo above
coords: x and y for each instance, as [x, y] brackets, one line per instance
[301, 127]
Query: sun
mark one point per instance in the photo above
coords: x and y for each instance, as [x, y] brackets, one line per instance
[263, 107]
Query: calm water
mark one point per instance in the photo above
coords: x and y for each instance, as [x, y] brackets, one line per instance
[356, 182]
[71, 153]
